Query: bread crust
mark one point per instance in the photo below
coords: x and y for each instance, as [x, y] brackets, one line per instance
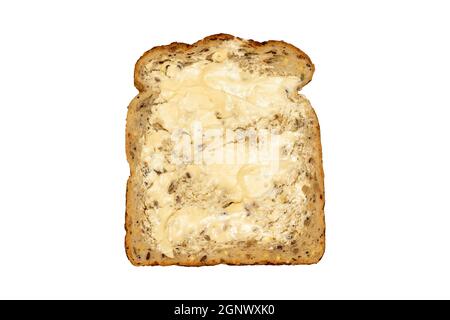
[130, 198]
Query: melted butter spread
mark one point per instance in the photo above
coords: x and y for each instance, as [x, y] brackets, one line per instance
[204, 90]
[218, 95]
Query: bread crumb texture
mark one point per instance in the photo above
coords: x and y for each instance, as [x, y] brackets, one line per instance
[225, 156]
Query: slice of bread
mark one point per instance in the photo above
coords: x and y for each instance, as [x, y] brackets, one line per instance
[225, 156]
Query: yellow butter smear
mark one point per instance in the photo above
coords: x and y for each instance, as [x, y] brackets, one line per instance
[217, 95]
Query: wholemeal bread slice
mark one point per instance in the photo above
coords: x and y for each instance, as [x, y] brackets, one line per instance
[225, 156]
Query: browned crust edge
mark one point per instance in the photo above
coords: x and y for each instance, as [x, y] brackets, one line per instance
[179, 45]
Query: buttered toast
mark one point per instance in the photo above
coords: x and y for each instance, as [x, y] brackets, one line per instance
[225, 156]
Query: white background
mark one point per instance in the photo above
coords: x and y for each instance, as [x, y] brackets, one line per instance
[381, 93]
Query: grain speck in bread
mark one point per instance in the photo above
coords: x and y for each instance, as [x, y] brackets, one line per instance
[183, 209]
